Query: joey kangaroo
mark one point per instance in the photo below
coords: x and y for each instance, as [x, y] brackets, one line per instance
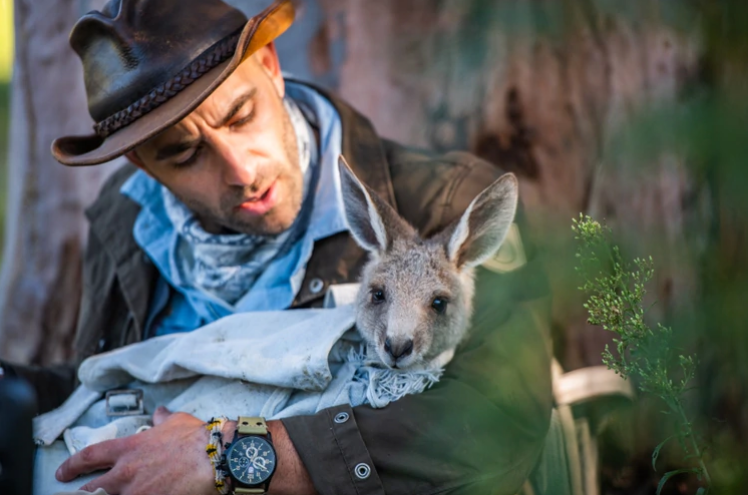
[415, 301]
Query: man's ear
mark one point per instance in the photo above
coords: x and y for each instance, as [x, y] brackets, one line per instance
[267, 58]
[135, 160]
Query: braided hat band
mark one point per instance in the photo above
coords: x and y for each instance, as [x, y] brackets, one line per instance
[214, 56]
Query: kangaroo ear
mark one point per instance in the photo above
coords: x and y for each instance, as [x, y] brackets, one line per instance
[481, 230]
[373, 223]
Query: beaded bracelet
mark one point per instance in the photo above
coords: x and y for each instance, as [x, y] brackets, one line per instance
[215, 450]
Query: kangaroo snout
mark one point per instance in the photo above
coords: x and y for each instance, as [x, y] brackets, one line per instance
[398, 347]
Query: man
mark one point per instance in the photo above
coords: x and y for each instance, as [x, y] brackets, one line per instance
[231, 204]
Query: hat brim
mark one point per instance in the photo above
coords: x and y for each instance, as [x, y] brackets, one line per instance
[76, 151]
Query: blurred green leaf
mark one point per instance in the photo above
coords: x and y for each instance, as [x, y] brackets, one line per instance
[656, 452]
[670, 474]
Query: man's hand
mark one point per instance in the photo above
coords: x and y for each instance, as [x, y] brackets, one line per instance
[171, 458]
[168, 458]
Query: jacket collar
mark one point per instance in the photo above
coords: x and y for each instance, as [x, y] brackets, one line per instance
[112, 217]
[338, 259]
[362, 148]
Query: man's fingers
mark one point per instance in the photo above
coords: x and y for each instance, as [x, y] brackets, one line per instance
[93, 458]
[160, 415]
[110, 482]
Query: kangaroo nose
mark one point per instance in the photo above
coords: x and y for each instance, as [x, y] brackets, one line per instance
[399, 348]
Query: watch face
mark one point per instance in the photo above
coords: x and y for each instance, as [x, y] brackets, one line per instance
[251, 460]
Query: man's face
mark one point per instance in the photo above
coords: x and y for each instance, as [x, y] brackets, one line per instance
[234, 160]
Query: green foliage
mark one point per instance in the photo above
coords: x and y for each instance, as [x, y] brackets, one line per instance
[615, 291]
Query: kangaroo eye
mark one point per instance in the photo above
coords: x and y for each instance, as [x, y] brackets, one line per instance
[439, 304]
[377, 296]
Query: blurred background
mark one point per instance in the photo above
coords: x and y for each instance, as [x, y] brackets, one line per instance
[634, 112]
[6, 70]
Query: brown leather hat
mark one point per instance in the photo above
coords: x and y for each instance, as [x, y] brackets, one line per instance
[149, 63]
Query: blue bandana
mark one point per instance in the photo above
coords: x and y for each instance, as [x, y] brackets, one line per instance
[227, 266]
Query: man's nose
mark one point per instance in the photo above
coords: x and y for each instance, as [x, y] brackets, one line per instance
[398, 348]
[237, 166]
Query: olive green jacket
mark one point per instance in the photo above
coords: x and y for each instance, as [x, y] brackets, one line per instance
[481, 429]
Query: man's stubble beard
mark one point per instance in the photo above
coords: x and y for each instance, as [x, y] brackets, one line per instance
[228, 221]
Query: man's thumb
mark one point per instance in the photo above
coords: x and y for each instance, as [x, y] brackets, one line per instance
[160, 415]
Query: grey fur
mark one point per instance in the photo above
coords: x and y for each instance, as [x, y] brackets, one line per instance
[411, 271]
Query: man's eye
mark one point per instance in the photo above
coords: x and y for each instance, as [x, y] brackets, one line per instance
[189, 160]
[245, 120]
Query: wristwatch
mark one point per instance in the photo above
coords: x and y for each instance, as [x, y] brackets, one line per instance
[250, 459]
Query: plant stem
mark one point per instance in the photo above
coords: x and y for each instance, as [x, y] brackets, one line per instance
[694, 444]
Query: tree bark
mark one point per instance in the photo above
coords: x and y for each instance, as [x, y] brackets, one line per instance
[40, 281]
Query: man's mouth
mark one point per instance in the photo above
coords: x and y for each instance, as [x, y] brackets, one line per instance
[261, 203]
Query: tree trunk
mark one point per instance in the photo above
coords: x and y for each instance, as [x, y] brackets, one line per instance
[40, 281]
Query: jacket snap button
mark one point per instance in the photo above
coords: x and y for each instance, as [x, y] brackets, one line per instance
[316, 286]
[341, 417]
[102, 344]
[362, 471]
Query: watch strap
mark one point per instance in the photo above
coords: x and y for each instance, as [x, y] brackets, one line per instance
[251, 425]
[239, 490]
